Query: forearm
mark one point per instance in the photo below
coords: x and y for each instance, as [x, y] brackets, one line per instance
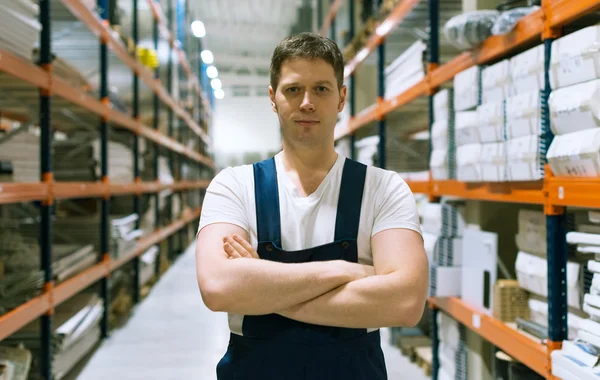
[378, 301]
[256, 287]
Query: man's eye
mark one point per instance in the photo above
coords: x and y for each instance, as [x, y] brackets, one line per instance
[292, 90]
[321, 89]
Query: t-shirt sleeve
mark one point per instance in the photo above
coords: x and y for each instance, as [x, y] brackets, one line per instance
[396, 206]
[224, 201]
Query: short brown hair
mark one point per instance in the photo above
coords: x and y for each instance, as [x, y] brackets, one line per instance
[308, 46]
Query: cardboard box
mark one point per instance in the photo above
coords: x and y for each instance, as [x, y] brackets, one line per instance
[439, 134]
[531, 237]
[468, 163]
[439, 164]
[527, 71]
[523, 115]
[490, 118]
[524, 159]
[575, 58]
[443, 103]
[466, 128]
[576, 154]
[493, 162]
[467, 89]
[575, 108]
[496, 82]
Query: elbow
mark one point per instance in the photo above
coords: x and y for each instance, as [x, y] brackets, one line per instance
[410, 311]
[213, 294]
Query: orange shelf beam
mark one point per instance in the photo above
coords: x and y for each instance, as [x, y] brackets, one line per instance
[32, 74]
[15, 319]
[96, 26]
[419, 187]
[563, 12]
[381, 32]
[333, 10]
[513, 192]
[12, 192]
[515, 344]
[574, 192]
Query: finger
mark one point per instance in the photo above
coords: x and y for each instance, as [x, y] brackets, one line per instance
[246, 245]
[238, 247]
[230, 251]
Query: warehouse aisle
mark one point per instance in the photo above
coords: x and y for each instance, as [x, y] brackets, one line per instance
[173, 336]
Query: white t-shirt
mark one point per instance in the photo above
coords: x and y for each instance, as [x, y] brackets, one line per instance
[309, 221]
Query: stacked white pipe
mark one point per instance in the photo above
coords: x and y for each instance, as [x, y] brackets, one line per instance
[19, 27]
[405, 71]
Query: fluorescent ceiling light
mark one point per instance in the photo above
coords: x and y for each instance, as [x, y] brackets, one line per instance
[198, 29]
[219, 94]
[207, 57]
[216, 84]
[212, 72]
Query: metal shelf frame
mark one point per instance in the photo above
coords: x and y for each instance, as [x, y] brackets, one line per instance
[554, 193]
[47, 190]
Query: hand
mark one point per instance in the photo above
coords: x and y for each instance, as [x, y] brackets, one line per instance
[358, 271]
[236, 247]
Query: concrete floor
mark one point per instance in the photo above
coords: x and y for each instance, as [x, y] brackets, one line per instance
[171, 335]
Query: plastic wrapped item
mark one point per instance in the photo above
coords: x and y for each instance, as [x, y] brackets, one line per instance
[470, 29]
[507, 21]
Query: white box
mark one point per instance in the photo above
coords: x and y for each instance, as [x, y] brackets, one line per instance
[527, 71]
[496, 82]
[532, 274]
[466, 128]
[523, 115]
[523, 159]
[480, 252]
[466, 89]
[468, 163]
[576, 154]
[439, 134]
[490, 118]
[448, 251]
[493, 162]
[575, 58]
[575, 108]
[442, 105]
[438, 163]
[445, 281]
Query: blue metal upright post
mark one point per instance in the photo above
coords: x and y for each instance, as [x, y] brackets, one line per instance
[170, 121]
[380, 96]
[352, 89]
[105, 202]
[319, 14]
[332, 26]
[156, 106]
[45, 240]
[137, 208]
[556, 234]
[434, 49]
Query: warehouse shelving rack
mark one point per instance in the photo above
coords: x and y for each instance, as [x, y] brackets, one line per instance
[553, 193]
[48, 190]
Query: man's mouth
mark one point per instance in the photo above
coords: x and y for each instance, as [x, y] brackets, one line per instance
[307, 123]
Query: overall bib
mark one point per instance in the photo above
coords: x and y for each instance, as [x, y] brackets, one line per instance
[277, 348]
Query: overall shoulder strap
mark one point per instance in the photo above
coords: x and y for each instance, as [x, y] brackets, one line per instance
[266, 195]
[351, 193]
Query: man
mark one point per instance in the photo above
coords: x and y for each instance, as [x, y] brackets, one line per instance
[309, 253]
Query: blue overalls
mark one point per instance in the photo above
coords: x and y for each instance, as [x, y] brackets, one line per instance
[277, 348]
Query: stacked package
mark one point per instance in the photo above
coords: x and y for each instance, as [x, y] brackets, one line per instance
[467, 95]
[532, 272]
[148, 264]
[405, 71]
[76, 325]
[574, 106]
[124, 235]
[443, 154]
[15, 363]
[525, 136]
[22, 152]
[495, 82]
[19, 27]
[453, 350]
[403, 156]
[580, 357]
[444, 224]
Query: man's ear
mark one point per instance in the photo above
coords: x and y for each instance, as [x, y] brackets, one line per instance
[343, 93]
[272, 97]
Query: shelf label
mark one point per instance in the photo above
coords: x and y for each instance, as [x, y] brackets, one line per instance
[476, 321]
[561, 192]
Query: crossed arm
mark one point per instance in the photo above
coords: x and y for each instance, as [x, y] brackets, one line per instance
[334, 293]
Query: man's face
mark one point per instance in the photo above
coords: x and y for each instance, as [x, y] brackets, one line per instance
[307, 101]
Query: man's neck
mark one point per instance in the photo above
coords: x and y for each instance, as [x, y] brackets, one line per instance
[308, 161]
